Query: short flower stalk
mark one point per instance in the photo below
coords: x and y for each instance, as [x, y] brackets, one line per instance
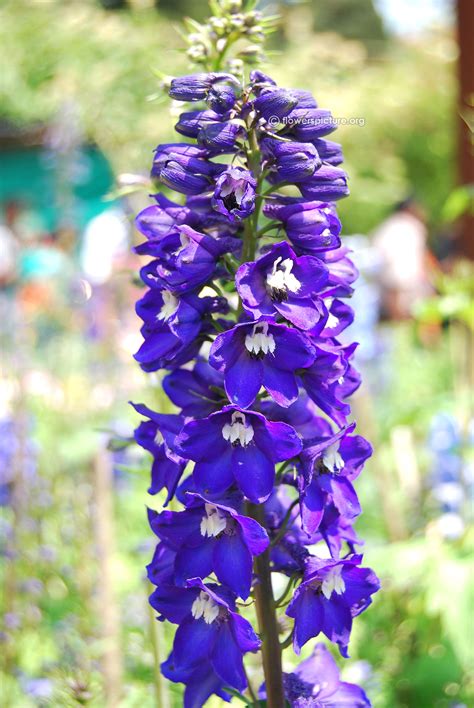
[245, 299]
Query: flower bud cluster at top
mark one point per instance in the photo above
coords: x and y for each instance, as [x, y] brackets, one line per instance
[234, 22]
[245, 299]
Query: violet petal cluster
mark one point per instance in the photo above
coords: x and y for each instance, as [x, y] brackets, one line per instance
[244, 301]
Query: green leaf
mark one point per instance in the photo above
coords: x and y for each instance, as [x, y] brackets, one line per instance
[459, 202]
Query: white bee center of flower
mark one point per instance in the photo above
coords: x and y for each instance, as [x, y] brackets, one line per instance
[237, 430]
[213, 523]
[260, 340]
[205, 607]
[333, 582]
[281, 277]
[158, 439]
[332, 458]
[169, 307]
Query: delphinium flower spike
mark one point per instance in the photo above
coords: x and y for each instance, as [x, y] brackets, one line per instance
[244, 303]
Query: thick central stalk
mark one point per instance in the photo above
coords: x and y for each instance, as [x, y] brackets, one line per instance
[267, 620]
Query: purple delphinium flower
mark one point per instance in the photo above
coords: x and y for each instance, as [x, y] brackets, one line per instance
[210, 630]
[312, 227]
[326, 184]
[331, 594]
[235, 446]
[199, 87]
[234, 193]
[200, 682]
[330, 462]
[247, 327]
[308, 124]
[289, 161]
[157, 435]
[184, 168]
[221, 137]
[171, 326]
[273, 102]
[282, 283]
[315, 683]
[159, 220]
[205, 536]
[324, 382]
[261, 353]
[188, 259]
[198, 392]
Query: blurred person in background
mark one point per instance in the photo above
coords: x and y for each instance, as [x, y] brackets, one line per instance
[9, 248]
[401, 244]
[104, 255]
[105, 245]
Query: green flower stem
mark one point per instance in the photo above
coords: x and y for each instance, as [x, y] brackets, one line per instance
[263, 591]
[267, 620]
[284, 523]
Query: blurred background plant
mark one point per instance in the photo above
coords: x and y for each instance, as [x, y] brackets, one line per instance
[80, 104]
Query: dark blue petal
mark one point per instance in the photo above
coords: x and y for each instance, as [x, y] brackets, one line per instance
[202, 684]
[244, 634]
[254, 535]
[337, 622]
[312, 507]
[281, 385]
[254, 472]
[282, 441]
[194, 561]
[232, 563]
[307, 611]
[243, 380]
[194, 641]
[217, 476]
[202, 439]
[174, 527]
[172, 602]
[226, 659]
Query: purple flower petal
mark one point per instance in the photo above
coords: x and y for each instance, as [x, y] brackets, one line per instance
[281, 385]
[232, 564]
[307, 610]
[226, 659]
[337, 623]
[312, 508]
[254, 472]
[193, 641]
[213, 478]
[194, 560]
[243, 380]
[254, 535]
[173, 603]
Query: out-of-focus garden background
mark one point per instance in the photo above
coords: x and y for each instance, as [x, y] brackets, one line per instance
[80, 105]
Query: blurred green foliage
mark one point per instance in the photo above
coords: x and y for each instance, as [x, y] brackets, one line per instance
[102, 60]
[354, 20]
